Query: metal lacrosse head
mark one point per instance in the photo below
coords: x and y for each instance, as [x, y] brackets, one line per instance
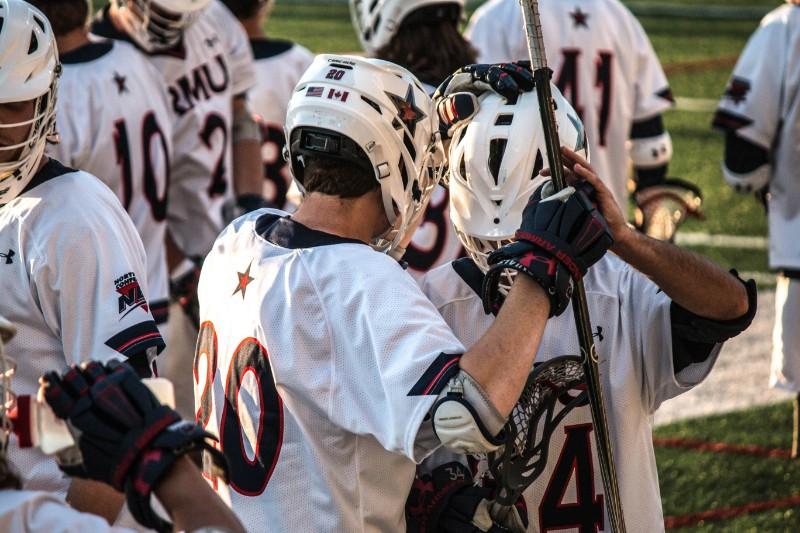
[7, 398]
[542, 406]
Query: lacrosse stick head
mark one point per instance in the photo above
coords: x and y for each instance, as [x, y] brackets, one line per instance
[543, 404]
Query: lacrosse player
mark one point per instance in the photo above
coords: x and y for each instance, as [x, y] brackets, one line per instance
[606, 67]
[72, 271]
[655, 339]
[114, 122]
[759, 114]
[35, 511]
[422, 36]
[320, 364]
[278, 66]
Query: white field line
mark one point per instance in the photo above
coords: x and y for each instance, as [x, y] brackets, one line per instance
[696, 105]
[722, 241]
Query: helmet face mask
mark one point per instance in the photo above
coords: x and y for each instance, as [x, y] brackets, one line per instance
[383, 110]
[377, 21]
[28, 88]
[495, 164]
[158, 24]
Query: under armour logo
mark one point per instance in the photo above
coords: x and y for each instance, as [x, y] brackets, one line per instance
[9, 257]
[599, 334]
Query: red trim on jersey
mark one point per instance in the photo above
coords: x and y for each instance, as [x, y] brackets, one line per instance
[445, 368]
[138, 339]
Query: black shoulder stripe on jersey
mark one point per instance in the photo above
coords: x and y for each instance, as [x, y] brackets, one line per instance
[266, 48]
[727, 121]
[87, 53]
[470, 273]
[284, 232]
[160, 310]
[666, 94]
[644, 129]
[51, 170]
[436, 377]
[137, 339]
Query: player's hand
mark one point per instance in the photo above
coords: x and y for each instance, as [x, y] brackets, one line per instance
[124, 436]
[447, 501]
[576, 171]
[662, 208]
[562, 234]
[183, 283]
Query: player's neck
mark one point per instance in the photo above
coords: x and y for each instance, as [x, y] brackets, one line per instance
[359, 218]
[72, 40]
[254, 27]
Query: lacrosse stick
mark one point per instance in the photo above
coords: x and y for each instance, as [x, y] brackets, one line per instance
[542, 75]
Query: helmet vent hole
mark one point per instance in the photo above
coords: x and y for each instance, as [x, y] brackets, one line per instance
[497, 221]
[462, 167]
[374, 105]
[34, 45]
[504, 120]
[1, 23]
[40, 22]
[538, 165]
[497, 149]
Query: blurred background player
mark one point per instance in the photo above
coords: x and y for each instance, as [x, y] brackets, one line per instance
[278, 66]
[206, 63]
[760, 115]
[42, 512]
[605, 66]
[74, 276]
[114, 122]
[655, 338]
[422, 36]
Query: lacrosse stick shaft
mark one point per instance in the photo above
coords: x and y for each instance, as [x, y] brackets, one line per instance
[542, 75]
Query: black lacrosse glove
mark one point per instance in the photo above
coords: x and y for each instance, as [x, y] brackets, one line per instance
[243, 204]
[124, 436]
[447, 501]
[560, 237]
[506, 79]
[183, 288]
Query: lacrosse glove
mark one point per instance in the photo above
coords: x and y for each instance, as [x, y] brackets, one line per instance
[124, 436]
[456, 98]
[447, 501]
[560, 237]
[662, 208]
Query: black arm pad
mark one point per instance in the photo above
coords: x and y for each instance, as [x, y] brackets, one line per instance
[694, 337]
[742, 156]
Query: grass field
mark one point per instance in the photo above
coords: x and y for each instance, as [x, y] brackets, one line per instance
[698, 56]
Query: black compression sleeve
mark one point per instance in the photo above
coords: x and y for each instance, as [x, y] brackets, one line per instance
[742, 156]
[694, 337]
[643, 129]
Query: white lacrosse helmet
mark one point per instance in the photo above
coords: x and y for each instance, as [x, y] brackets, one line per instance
[378, 21]
[158, 24]
[7, 367]
[355, 108]
[495, 161]
[29, 70]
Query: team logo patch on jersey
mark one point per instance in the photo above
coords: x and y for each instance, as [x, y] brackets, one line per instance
[9, 257]
[737, 90]
[244, 280]
[121, 82]
[579, 18]
[130, 294]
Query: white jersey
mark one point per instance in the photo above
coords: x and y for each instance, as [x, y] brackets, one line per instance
[435, 241]
[762, 104]
[325, 358]
[278, 66]
[42, 512]
[631, 321]
[212, 64]
[604, 65]
[73, 282]
[114, 122]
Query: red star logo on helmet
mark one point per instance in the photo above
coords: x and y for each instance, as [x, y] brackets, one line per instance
[407, 110]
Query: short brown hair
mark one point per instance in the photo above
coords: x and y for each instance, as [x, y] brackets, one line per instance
[430, 51]
[337, 177]
[64, 15]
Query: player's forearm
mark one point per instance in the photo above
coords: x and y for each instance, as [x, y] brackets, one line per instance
[501, 360]
[247, 174]
[690, 280]
[96, 498]
[190, 501]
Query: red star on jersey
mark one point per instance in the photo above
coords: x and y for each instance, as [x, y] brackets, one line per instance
[407, 110]
[579, 18]
[244, 281]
